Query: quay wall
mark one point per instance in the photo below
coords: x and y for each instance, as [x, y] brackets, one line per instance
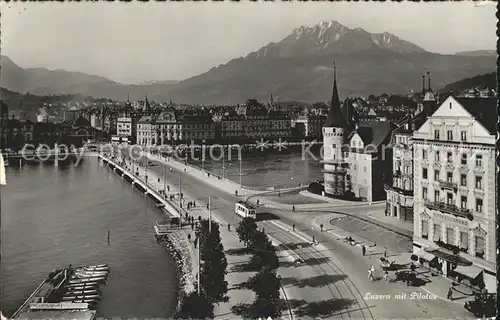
[175, 242]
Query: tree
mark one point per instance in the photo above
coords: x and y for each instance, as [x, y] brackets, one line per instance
[195, 306]
[266, 285]
[265, 256]
[245, 230]
[214, 263]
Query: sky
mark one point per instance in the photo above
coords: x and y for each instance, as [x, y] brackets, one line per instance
[135, 42]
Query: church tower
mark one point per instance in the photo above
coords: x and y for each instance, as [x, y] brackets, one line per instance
[334, 131]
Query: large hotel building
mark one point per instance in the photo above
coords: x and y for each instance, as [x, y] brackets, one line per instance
[455, 195]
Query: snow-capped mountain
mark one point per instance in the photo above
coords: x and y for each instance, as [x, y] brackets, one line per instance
[332, 37]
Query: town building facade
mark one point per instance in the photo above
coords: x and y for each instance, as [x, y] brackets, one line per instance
[455, 195]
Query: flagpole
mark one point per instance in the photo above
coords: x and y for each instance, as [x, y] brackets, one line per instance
[209, 215]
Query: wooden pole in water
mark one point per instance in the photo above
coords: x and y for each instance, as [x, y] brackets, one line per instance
[109, 231]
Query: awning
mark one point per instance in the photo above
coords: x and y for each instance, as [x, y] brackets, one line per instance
[425, 255]
[470, 272]
[453, 258]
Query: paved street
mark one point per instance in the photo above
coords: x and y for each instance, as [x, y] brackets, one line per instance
[333, 258]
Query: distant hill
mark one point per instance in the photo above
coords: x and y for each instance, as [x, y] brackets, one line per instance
[478, 53]
[298, 68]
[483, 81]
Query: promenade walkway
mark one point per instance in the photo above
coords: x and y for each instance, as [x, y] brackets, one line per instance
[237, 293]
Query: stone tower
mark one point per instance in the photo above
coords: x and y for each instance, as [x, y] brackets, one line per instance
[334, 131]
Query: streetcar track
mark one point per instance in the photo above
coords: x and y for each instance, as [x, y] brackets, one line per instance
[347, 282]
[334, 267]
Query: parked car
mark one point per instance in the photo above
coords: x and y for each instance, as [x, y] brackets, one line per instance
[483, 305]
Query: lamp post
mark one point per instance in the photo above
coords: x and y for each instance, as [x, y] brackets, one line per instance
[209, 215]
[223, 156]
[165, 181]
[240, 173]
[180, 201]
[199, 265]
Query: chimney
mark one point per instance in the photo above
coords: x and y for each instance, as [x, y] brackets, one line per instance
[423, 83]
[429, 79]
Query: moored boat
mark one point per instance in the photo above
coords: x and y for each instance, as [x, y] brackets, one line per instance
[86, 280]
[92, 273]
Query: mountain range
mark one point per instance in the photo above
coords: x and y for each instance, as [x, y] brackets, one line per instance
[299, 67]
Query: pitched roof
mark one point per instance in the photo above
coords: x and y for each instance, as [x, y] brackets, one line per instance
[81, 122]
[373, 132]
[483, 109]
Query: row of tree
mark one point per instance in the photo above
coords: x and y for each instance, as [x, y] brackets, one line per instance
[266, 283]
[213, 286]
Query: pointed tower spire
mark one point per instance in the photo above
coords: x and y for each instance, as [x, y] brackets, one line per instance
[335, 117]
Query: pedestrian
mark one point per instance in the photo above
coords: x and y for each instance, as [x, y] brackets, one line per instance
[371, 272]
[449, 296]
[363, 249]
[321, 227]
[293, 208]
[293, 227]
[385, 252]
[195, 242]
[207, 206]
[158, 180]
[189, 237]
[194, 204]
[257, 201]
[192, 225]
[228, 227]
[386, 276]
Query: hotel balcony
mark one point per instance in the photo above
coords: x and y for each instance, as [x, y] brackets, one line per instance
[449, 209]
[448, 185]
[398, 190]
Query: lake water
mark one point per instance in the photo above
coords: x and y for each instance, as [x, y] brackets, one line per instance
[56, 216]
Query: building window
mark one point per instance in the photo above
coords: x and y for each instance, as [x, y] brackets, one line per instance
[479, 205]
[480, 247]
[436, 134]
[449, 198]
[463, 202]
[479, 160]
[437, 156]
[424, 154]
[463, 180]
[463, 135]
[334, 146]
[464, 158]
[479, 182]
[449, 157]
[449, 135]
[449, 176]
[424, 193]
[450, 236]
[425, 229]
[437, 232]
[464, 240]
[424, 173]
[436, 175]
[436, 195]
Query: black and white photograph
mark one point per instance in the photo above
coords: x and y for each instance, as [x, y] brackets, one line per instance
[248, 160]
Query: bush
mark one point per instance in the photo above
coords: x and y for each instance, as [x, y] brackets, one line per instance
[195, 306]
[315, 187]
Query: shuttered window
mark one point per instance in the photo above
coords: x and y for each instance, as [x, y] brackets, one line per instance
[437, 232]
[464, 240]
[480, 247]
[450, 236]
[425, 229]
